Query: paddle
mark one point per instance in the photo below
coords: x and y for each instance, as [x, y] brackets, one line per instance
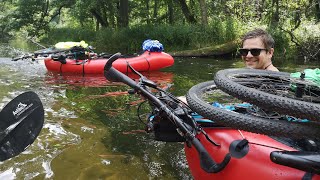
[21, 121]
[24, 56]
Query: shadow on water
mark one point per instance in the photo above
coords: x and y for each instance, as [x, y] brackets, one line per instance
[91, 127]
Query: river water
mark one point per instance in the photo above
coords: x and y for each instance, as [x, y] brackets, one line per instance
[91, 129]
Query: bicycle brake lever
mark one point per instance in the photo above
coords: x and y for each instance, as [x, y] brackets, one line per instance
[143, 79]
[148, 82]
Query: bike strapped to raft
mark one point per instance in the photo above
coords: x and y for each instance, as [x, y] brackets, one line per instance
[186, 129]
[207, 143]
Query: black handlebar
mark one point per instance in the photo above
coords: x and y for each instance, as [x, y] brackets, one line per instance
[114, 75]
[206, 162]
[303, 160]
[111, 60]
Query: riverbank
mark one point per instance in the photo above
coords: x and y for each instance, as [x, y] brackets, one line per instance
[227, 50]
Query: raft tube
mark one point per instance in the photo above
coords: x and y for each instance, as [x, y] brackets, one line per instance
[252, 161]
[148, 61]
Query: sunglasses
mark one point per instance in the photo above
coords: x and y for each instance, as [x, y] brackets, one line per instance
[253, 51]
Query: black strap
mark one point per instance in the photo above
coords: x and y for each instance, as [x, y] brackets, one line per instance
[148, 63]
[268, 66]
[307, 176]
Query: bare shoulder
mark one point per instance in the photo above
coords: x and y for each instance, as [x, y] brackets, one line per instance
[272, 68]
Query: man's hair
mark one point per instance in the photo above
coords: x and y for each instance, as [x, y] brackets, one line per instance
[266, 38]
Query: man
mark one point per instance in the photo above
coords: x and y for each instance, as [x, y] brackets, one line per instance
[257, 50]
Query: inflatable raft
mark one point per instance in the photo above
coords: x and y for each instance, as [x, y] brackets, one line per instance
[148, 61]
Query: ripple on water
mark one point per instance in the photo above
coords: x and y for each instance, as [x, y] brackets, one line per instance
[47, 169]
[8, 174]
[86, 129]
[6, 82]
[155, 169]
[106, 162]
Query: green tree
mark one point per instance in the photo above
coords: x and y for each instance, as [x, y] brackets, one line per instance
[6, 9]
[203, 9]
[187, 13]
[124, 13]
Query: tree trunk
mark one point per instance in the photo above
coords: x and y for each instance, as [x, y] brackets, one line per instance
[188, 15]
[148, 9]
[275, 16]
[98, 17]
[317, 6]
[111, 15]
[204, 16]
[170, 11]
[155, 11]
[124, 13]
[260, 6]
[97, 26]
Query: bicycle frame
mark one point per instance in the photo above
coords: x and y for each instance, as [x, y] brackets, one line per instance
[206, 162]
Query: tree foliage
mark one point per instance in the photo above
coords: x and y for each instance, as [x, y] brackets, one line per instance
[38, 17]
[40, 14]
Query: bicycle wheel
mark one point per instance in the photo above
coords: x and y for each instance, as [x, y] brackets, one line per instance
[195, 99]
[275, 91]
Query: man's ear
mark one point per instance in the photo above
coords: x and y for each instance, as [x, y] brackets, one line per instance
[271, 51]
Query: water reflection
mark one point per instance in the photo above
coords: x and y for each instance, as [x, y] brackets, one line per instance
[98, 80]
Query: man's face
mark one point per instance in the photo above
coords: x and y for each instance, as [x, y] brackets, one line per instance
[260, 61]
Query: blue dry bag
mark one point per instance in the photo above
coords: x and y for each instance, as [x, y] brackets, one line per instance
[152, 46]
